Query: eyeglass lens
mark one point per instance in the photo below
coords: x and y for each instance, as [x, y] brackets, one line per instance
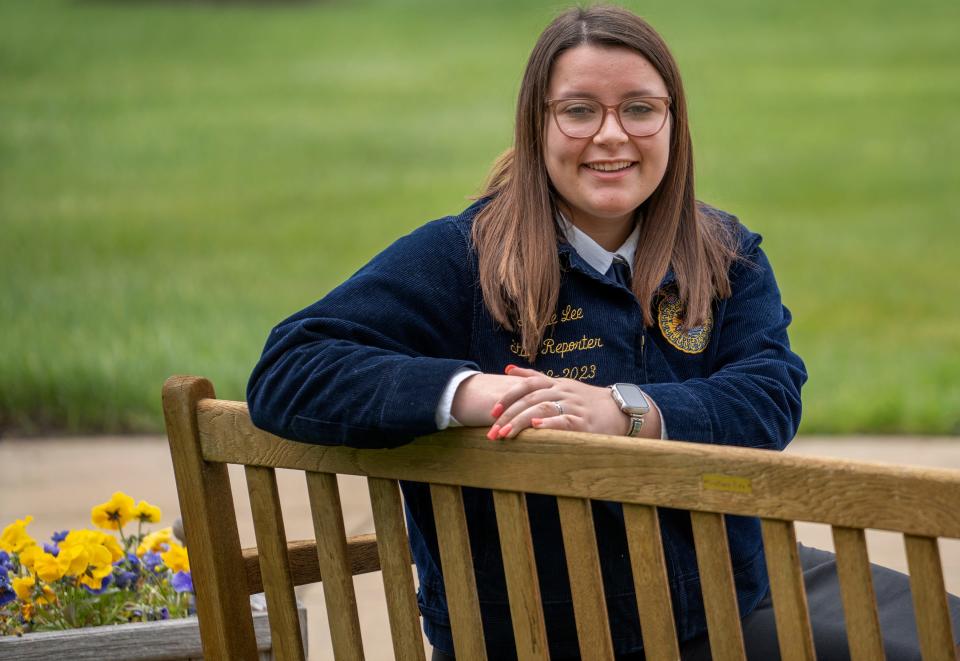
[582, 118]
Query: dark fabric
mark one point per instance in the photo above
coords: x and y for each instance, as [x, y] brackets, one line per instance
[366, 366]
[894, 606]
[619, 272]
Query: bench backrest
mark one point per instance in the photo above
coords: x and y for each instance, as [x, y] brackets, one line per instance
[709, 481]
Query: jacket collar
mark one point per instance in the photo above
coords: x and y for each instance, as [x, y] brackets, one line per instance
[581, 253]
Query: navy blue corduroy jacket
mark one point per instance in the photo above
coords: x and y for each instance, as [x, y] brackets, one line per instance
[366, 367]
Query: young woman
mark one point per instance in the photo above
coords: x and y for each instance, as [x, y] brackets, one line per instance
[586, 264]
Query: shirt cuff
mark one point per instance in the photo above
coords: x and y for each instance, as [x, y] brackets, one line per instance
[444, 417]
[663, 423]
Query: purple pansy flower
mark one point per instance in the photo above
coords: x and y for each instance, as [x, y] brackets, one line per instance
[152, 561]
[126, 579]
[164, 613]
[182, 581]
[5, 564]
[6, 592]
[59, 536]
[104, 584]
[52, 549]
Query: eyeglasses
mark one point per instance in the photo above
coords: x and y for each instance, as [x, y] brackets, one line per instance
[582, 118]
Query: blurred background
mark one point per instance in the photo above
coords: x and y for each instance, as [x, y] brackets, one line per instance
[176, 177]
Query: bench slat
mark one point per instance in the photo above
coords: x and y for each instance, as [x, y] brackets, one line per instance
[651, 583]
[929, 598]
[334, 564]
[458, 578]
[786, 585]
[716, 579]
[516, 545]
[586, 582]
[675, 474]
[274, 566]
[859, 598]
[397, 577]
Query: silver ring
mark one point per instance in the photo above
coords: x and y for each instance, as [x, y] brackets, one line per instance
[559, 407]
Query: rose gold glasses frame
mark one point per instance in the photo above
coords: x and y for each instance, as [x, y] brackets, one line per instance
[552, 105]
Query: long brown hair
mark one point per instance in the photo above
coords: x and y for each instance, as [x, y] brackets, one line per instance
[516, 233]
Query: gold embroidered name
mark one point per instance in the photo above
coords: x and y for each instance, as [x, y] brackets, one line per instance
[568, 313]
[551, 346]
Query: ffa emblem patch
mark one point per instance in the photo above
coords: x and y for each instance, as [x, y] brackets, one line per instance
[670, 317]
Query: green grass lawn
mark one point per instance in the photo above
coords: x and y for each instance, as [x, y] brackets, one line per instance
[176, 177]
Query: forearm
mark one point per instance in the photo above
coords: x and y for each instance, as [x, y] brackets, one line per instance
[752, 411]
[330, 392]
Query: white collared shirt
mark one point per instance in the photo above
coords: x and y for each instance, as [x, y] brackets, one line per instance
[598, 257]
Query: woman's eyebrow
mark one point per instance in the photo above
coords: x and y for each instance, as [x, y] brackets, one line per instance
[582, 94]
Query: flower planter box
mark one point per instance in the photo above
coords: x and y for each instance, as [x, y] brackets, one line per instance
[141, 641]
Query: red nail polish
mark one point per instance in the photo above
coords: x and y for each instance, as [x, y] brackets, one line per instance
[492, 434]
[505, 430]
[508, 368]
[536, 422]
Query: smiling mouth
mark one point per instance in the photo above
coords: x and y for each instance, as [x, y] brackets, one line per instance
[616, 166]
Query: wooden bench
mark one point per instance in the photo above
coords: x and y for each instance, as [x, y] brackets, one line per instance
[206, 434]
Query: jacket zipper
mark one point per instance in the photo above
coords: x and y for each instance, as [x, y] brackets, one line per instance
[643, 354]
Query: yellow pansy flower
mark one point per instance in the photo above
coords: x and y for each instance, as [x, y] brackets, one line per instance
[146, 512]
[155, 541]
[23, 586]
[14, 537]
[47, 568]
[49, 596]
[26, 611]
[90, 538]
[29, 555]
[72, 560]
[176, 558]
[110, 543]
[100, 566]
[113, 514]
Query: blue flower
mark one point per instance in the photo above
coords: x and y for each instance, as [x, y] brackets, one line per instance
[104, 584]
[133, 560]
[126, 579]
[152, 561]
[6, 592]
[164, 613]
[5, 564]
[52, 549]
[59, 536]
[182, 581]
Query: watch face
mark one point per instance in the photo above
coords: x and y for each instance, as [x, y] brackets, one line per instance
[633, 398]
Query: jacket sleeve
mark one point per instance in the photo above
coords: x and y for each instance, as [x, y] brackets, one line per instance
[752, 396]
[366, 365]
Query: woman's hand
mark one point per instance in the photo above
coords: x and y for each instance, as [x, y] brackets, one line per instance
[477, 395]
[545, 402]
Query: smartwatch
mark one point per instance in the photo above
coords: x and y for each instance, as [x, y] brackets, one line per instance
[633, 402]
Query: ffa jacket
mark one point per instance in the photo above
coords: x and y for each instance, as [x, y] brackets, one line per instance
[366, 367]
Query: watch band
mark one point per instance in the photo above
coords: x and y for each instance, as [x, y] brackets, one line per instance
[636, 422]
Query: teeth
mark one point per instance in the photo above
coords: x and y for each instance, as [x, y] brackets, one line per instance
[609, 167]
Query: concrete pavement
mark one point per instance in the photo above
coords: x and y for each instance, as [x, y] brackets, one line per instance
[59, 480]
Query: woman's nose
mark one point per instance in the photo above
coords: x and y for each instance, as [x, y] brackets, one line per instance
[611, 132]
